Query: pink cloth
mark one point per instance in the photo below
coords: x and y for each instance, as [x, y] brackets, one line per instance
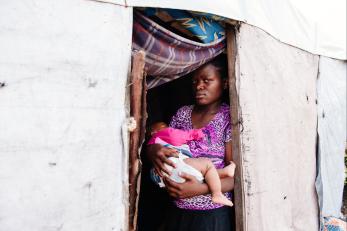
[177, 137]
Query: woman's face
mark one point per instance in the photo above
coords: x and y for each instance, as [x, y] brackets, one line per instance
[207, 85]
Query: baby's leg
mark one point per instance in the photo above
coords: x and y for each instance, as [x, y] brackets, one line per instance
[227, 171]
[212, 179]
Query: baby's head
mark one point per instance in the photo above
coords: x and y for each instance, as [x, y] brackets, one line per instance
[156, 127]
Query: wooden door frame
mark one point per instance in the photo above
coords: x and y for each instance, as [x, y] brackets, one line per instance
[235, 112]
[138, 112]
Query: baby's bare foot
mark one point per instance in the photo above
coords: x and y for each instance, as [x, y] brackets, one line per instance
[230, 169]
[221, 199]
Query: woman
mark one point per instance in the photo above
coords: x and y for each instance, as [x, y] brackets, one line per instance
[193, 208]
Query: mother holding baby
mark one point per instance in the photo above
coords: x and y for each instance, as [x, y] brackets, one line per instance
[194, 209]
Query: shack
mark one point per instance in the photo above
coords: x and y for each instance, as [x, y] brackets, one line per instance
[67, 140]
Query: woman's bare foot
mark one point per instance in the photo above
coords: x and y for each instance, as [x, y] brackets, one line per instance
[221, 199]
[230, 169]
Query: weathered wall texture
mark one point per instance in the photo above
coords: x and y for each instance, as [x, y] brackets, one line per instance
[332, 134]
[64, 65]
[277, 88]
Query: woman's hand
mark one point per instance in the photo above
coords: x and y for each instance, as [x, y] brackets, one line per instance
[192, 187]
[159, 155]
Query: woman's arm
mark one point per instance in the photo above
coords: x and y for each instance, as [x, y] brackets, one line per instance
[228, 152]
[228, 183]
[192, 187]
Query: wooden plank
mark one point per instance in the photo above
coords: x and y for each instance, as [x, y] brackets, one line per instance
[136, 109]
[142, 127]
[143, 109]
[235, 118]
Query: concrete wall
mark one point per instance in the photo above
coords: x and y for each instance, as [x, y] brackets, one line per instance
[64, 65]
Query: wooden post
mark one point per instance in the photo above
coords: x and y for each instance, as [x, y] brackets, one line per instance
[240, 216]
[136, 110]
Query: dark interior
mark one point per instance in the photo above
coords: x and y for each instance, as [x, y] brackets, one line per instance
[162, 103]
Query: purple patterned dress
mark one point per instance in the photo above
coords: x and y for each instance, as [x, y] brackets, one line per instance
[217, 132]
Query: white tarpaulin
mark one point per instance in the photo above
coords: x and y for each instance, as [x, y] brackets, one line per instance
[332, 135]
[277, 90]
[316, 26]
[64, 65]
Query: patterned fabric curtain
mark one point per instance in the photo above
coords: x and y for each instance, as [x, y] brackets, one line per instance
[196, 26]
[169, 55]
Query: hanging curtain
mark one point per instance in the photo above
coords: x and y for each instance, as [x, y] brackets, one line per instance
[169, 55]
[196, 26]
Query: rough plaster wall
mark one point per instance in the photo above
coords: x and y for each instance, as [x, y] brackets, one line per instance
[332, 134]
[64, 64]
[277, 87]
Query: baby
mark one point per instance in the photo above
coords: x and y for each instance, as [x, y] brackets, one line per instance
[201, 168]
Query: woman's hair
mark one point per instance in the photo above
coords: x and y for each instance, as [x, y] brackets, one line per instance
[221, 64]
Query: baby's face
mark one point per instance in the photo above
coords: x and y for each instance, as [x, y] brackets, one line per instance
[157, 127]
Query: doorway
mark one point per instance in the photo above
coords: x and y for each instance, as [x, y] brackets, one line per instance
[161, 103]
